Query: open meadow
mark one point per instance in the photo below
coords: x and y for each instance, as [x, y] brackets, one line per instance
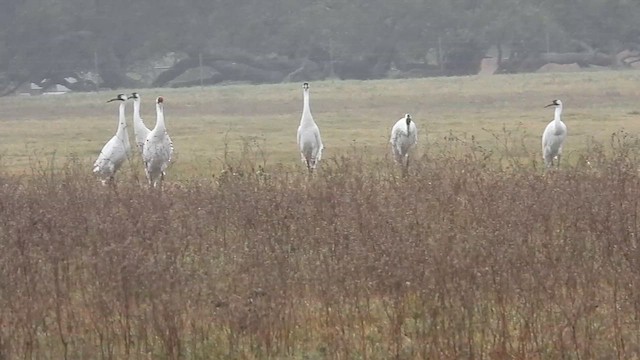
[477, 254]
[207, 123]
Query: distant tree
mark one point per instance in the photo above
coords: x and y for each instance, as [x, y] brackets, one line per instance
[586, 32]
[276, 40]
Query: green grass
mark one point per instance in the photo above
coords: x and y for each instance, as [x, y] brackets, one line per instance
[207, 122]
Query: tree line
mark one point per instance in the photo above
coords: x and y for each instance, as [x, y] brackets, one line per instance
[280, 40]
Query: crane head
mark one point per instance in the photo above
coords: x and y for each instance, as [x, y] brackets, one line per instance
[120, 97]
[407, 117]
[159, 100]
[555, 103]
[305, 86]
[134, 95]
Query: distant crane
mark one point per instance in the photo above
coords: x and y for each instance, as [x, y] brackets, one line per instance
[158, 148]
[404, 135]
[309, 141]
[116, 150]
[139, 129]
[553, 137]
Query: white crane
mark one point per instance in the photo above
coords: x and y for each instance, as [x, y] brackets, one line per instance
[553, 136]
[115, 151]
[157, 148]
[139, 129]
[309, 141]
[404, 135]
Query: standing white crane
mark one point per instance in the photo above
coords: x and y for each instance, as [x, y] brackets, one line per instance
[116, 150]
[139, 129]
[404, 135]
[157, 148]
[553, 136]
[309, 141]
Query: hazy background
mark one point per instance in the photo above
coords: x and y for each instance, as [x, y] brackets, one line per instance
[109, 44]
[477, 254]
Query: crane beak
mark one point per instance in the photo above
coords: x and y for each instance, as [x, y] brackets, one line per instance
[552, 104]
[113, 100]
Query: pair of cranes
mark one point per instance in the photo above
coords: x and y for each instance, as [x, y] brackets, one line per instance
[404, 135]
[154, 145]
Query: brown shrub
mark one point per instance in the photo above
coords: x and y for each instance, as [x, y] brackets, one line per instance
[460, 259]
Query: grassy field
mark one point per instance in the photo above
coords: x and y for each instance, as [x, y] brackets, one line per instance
[462, 259]
[206, 123]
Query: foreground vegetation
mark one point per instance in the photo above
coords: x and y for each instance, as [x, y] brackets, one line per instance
[460, 259]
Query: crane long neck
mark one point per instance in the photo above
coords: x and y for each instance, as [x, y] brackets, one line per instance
[122, 124]
[306, 109]
[160, 117]
[136, 110]
[557, 114]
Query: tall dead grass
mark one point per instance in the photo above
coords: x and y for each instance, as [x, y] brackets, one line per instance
[461, 259]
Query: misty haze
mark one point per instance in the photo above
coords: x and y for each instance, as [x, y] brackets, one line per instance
[86, 45]
[319, 179]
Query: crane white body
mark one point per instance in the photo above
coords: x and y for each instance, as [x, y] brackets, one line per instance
[309, 140]
[117, 150]
[157, 149]
[139, 129]
[553, 137]
[404, 135]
